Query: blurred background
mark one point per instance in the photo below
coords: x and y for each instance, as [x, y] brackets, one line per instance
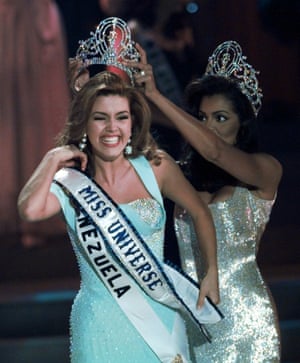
[38, 271]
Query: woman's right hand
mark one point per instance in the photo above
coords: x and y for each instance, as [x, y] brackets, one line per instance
[35, 201]
[68, 156]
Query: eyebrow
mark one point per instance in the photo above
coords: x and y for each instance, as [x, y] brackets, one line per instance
[214, 112]
[104, 113]
[222, 111]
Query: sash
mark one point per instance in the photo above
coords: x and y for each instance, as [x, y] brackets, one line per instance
[118, 254]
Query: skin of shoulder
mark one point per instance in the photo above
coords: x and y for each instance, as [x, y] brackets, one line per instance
[174, 185]
[265, 172]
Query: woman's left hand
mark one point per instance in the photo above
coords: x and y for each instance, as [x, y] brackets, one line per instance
[209, 288]
[144, 76]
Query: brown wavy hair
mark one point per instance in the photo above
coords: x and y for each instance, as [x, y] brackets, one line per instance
[104, 84]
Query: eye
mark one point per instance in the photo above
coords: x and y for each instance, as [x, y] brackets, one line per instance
[99, 118]
[221, 118]
[123, 117]
[201, 117]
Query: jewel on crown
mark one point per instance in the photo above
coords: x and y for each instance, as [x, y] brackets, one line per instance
[110, 44]
[228, 61]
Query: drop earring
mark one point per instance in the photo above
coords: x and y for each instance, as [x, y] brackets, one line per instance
[83, 142]
[128, 148]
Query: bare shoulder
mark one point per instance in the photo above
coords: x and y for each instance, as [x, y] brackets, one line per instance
[268, 157]
[269, 173]
[269, 161]
[166, 162]
[166, 170]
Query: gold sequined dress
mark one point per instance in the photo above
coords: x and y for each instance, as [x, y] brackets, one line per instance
[248, 333]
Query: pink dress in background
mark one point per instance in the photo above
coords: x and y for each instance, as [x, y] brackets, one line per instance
[34, 99]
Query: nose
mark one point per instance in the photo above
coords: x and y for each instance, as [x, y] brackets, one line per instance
[209, 123]
[111, 124]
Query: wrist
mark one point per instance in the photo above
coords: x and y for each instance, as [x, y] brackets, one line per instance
[212, 269]
[52, 160]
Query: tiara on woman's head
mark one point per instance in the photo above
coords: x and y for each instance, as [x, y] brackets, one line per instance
[228, 61]
[110, 44]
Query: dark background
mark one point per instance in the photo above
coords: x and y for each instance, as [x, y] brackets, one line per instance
[268, 32]
[38, 281]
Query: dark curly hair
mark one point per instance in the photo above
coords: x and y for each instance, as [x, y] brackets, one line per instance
[203, 174]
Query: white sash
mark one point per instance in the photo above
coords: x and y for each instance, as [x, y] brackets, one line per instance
[115, 249]
[129, 297]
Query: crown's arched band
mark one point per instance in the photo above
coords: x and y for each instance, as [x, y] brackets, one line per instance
[110, 44]
[228, 61]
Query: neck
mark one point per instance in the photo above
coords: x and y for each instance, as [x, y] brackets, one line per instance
[110, 172]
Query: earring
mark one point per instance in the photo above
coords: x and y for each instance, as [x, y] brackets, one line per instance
[128, 148]
[83, 142]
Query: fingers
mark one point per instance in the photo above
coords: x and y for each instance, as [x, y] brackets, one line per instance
[145, 73]
[79, 156]
[143, 76]
[201, 298]
[142, 65]
[142, 53]
[83, 162]
[70, 156]
[209, 288]
[214, 297]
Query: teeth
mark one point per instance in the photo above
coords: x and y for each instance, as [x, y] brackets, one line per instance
[110, 140]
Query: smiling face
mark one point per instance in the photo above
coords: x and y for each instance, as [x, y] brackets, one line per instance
[109, 127]
[216, 113]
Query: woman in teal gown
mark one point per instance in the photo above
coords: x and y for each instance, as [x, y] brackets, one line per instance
[107, 138]
[100, 331]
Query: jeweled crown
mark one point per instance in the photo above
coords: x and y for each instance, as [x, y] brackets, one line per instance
[110, 44]
[228, 61]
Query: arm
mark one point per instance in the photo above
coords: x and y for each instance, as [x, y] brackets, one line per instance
[175, 186]
[35, 201]
[259, 170]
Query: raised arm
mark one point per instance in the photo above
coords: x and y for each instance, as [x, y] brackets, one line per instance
[35, 201]
[259, 170]
[176, 187]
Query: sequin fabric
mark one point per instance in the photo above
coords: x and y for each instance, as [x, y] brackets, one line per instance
[149, 212]
[249, 331]
[99, 330]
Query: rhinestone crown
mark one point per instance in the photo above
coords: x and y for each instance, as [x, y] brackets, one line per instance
[228, 61]
[110, 44]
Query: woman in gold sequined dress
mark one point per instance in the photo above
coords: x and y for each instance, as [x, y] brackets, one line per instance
[239, 185]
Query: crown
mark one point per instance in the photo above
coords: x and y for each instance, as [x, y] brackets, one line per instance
[110, 44]
[228, 61]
